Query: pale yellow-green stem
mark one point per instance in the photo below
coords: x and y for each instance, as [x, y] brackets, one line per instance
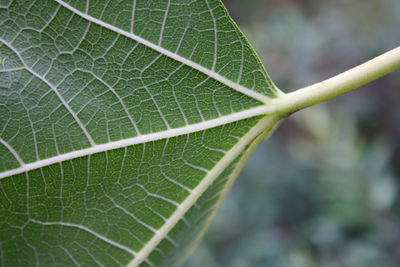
[339, 84]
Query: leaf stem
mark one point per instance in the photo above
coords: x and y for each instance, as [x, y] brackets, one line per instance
[341, 83]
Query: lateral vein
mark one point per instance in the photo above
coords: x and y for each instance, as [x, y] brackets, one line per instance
[12, 150]
[54, 89]
[235, 86]
[84, 228]
[208, 179]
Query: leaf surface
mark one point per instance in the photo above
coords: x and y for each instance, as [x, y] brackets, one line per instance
[122, 126]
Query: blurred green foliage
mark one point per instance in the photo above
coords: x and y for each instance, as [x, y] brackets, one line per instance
[324, 189]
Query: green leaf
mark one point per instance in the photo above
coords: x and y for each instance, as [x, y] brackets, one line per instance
[122, 127]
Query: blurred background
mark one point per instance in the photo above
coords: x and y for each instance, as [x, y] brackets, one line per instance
[324, 190]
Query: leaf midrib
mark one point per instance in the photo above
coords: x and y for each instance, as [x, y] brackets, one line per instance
[187, 129]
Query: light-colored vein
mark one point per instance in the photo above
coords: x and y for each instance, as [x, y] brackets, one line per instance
[12, 69]
[187, 189]
[174, 93]
[54, 89]
[235, 86]
[98, 263]
[87, 6]
[215, 37]
[12, 150]
[222, 194]
[150, 263]
[34, 251]
[174, 203]
[83, 228]
[35, 143]
[152, 96]
[241, 64]
[209, 178]
[133, 15]
[69, 255]
[163, 23]
[130, 214]
[262, 110]
[109, 87]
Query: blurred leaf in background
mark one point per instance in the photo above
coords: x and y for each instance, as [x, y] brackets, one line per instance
[324, 190]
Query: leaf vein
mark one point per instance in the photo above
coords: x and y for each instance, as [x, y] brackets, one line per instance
[54, 89]
[233, 85]
[88, 230]
[256, 111]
